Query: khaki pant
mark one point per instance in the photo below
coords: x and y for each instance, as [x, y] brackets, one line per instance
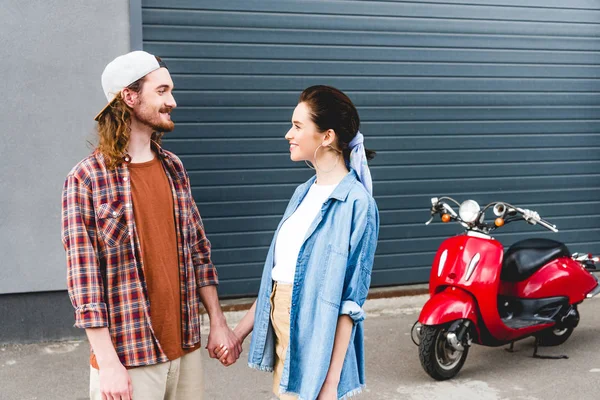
[281, 300]
[181, 379]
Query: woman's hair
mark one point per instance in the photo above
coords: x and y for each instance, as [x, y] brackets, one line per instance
[330, 108]
[114, 129]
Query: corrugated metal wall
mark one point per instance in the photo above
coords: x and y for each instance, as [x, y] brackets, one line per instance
[490, 100]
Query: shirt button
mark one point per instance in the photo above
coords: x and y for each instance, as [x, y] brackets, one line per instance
[125, 179]
[127, 205]
[115, 213]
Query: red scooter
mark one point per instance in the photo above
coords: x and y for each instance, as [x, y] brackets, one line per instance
[481, 294]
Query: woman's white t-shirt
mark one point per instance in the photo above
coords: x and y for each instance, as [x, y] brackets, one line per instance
[293, 231]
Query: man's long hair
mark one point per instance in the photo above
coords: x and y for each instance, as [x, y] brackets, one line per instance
[114, 129]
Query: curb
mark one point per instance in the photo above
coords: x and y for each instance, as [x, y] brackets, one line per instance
[245, 303]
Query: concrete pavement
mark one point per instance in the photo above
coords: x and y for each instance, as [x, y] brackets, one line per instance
[53, 371]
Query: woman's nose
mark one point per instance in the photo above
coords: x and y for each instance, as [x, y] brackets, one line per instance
[289, 135]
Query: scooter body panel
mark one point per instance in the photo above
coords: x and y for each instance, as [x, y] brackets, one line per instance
[560, 277]
[449, 305]
[455, 256]
[473, 264]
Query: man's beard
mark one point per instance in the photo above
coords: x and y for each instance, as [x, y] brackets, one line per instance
[154, 121]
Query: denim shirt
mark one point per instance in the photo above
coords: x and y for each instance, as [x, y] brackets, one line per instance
[332, 278]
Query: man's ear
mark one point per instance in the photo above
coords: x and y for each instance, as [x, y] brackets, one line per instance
[130, 97]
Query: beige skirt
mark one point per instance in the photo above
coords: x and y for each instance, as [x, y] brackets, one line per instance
[281, 300]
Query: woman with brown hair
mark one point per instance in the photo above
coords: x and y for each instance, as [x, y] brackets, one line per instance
[307, 322]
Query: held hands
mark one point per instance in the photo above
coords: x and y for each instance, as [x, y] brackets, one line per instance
[223, 351]
[223, 344]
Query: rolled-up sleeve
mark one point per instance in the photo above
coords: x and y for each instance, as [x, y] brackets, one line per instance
[206, 273]
[84, 279]
[353, 310]
[361, 257]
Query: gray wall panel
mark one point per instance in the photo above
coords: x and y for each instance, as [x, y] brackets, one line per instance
[227, 130]
[53, 53]
[424, 9]
[357, 67]
[216, 18]
[488, 99]
[235, 161]
[210, 34]
[358, 53]
[368, 114]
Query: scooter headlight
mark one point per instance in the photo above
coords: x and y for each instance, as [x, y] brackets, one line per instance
[468, 211]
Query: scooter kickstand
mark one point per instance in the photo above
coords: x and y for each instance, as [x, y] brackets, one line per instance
[511, 349]
[536, 355]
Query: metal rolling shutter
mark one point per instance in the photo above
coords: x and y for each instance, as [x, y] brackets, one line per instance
[494, 99]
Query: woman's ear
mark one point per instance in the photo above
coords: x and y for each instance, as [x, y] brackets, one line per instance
[330, 138]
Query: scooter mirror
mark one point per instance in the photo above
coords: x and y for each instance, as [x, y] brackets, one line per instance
[499, 209]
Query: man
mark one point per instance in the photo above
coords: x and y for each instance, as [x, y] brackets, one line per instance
[138, 259]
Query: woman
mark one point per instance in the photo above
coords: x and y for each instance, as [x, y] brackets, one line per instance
[307, 320]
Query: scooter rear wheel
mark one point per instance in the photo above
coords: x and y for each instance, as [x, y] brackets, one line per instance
[554, 336]
[438, 358]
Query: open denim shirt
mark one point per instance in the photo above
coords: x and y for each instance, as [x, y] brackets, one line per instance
[333, 274]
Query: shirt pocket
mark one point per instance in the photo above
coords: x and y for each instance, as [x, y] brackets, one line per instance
[112, 225]
[333, 273]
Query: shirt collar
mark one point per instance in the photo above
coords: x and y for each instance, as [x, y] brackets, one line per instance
[341, 190]
[127, 158]
[158, 149]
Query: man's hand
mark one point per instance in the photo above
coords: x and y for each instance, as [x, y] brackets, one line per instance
[224, 343]
[115, 383]
[328, 392]
[220, 334]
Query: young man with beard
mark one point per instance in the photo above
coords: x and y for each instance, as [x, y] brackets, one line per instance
[138, 260]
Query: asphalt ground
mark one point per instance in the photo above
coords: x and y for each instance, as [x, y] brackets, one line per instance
[59, 370]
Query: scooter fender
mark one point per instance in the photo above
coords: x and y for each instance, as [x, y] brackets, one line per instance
[449, 305]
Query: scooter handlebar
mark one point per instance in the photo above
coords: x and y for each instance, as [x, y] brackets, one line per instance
[548, 226]
[440, 206]
[585, 258]
[534, 218]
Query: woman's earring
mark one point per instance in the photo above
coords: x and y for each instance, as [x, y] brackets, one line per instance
[337, 159]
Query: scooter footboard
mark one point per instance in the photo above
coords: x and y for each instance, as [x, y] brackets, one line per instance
[449, 305]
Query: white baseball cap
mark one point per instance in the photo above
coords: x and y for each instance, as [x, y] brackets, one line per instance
[125, 70]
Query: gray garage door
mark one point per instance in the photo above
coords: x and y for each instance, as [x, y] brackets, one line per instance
[483, 99]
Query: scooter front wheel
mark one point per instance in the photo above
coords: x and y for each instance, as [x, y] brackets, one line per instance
[438, 358]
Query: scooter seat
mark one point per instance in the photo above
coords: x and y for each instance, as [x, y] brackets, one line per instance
[524, 258]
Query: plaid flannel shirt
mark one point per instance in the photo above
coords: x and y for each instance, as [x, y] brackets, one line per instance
[105, 275]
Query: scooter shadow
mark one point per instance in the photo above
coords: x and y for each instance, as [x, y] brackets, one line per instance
[483, 361]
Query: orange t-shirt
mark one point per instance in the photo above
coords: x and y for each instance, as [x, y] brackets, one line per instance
[155, 224]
